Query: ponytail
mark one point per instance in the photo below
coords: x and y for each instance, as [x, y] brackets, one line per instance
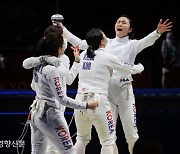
[93, 39]
[90, 52]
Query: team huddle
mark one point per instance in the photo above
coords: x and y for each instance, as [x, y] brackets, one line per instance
[104, 69]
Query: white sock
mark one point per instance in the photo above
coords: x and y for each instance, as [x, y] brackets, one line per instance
[80, 147]
[107, 149]
[131, 146]
[115, 149]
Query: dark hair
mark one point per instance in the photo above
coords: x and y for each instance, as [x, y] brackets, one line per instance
[50, 43]
[53, 28]
[93, 39]
[131, 34]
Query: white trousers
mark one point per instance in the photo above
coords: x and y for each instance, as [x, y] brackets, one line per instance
[123, 105]
[51, 126]
[101, 119]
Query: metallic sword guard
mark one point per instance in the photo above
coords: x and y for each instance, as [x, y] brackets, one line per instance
[57, 18]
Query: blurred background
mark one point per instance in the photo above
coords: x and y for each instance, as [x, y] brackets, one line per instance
[22, 25]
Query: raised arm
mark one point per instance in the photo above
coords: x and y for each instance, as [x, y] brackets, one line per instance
[123, 67]
[150, 39]
[74, 40]
[32, 62]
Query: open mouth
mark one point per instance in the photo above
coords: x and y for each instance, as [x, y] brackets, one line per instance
[119, 29]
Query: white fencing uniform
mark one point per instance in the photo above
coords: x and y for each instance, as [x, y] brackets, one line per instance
[94, 87]
[94, 74]
[46, 122]
[120, 91]
[69, 75]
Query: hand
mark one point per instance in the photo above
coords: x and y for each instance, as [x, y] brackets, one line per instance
[58, 24]
[76, 53]
[51, 60]
[165, 26]
[138, 68]
[92, 105]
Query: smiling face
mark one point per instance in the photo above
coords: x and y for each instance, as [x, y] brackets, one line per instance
[123, 27]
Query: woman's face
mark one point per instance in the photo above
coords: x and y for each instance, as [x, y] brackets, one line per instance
[104, 40]
[61, 50]
[122, 27]
[65, 40]
[64, 47]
